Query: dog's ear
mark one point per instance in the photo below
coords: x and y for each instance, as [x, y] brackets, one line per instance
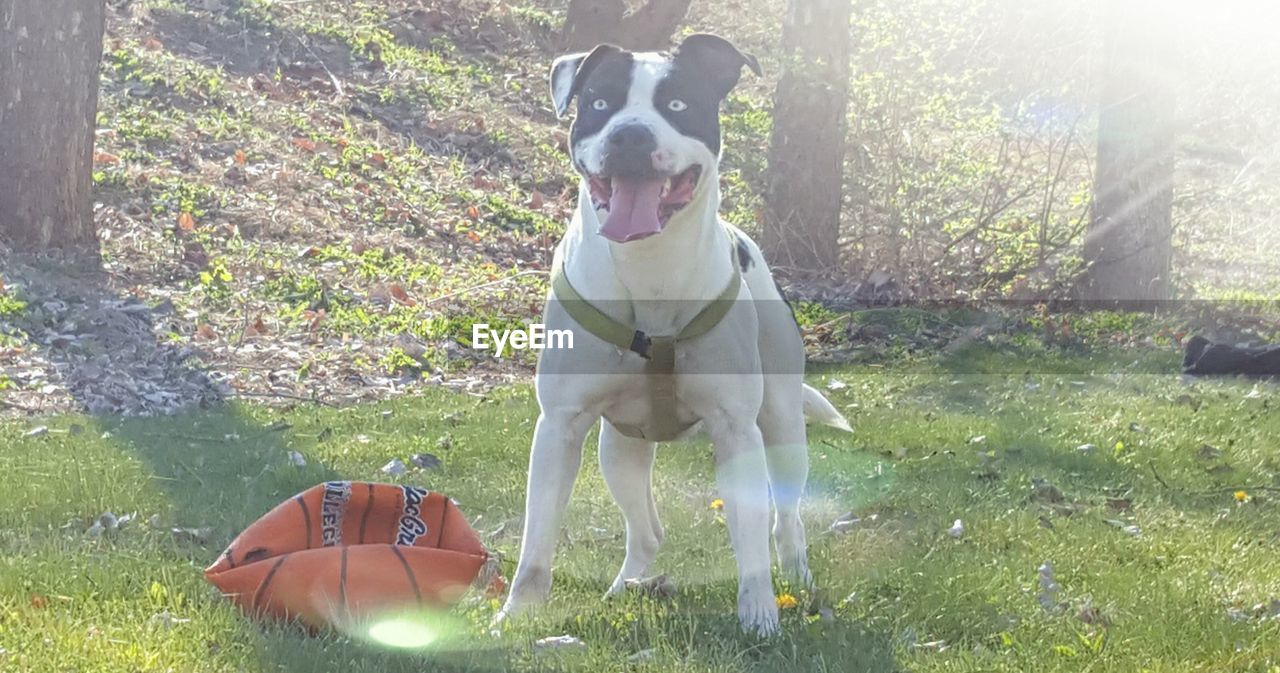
[718, 58]
[568, 72]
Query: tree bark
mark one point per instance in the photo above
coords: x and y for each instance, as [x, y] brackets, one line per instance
[49, 55]
[1128, 250]
[803, 196]
[592, 22]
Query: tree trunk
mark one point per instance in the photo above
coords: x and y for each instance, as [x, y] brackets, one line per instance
[592, 22]
[49, 55]
[1128, 249]
[806, 148]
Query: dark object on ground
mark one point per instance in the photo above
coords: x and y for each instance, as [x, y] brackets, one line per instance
[1203, 358]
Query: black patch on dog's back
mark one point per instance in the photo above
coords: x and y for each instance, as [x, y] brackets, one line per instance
[790, 306]
[744, 253]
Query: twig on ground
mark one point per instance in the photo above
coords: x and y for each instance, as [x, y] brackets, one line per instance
[481, 286]
[337, 86]
[19, 407]
[1154, 473]
[286, 396]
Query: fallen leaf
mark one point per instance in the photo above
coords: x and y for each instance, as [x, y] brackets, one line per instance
[400, 296]
[105, 158]
[167, 620]
[1209, 452]
[241, 158]
[844, 524]
[304, 144]
[425, 461]
[658, 586]
[256, 328]
[314, 318]
[205, 333]
[1049, 589]
[473, 213]
[1088, 614]
[642, 656]
[200, 536]
[108, 522]
[1119, 504]
[536, 200]
[554, 643]
[395, 468]
[1130, 529]
[1043, 491]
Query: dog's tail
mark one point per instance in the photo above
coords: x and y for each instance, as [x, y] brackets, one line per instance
[819, 409]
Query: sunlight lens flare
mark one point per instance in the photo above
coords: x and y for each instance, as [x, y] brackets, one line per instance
[403, 632]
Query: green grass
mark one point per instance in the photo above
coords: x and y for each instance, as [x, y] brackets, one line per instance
[896, 582]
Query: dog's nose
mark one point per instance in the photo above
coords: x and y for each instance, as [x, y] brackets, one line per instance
[631, 135]
[629, 151]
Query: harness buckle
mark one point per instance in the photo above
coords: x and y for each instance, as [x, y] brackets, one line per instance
[640, 344]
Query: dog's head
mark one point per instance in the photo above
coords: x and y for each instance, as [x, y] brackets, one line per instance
[647, 133]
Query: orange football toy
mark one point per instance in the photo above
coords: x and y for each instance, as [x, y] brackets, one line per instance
[346, 552]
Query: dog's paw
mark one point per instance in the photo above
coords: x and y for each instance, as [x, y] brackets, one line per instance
[757, 608]
[795, 569]
[496, 624]
[616, 589]
[759, 618]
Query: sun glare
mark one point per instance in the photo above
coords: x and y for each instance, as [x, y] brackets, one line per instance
[402, 633]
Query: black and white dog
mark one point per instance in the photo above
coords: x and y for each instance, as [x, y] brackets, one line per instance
[647, 249]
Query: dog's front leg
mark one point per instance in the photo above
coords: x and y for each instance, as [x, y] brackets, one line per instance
[553, 467]
[742, 477]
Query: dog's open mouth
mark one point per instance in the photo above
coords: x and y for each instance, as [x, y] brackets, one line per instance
[640, 207]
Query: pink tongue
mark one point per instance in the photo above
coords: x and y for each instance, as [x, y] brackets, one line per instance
[633, 209]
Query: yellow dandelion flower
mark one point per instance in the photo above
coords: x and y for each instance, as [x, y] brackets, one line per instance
[1242, 496]
[717, 504]
[787, 601]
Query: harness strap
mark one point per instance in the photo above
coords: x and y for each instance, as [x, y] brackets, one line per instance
[628, 338]
[659, 352]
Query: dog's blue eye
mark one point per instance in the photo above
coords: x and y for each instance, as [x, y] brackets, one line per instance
[600, 104]
[677, 105]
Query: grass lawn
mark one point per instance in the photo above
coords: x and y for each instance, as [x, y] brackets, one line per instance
[1162, 566]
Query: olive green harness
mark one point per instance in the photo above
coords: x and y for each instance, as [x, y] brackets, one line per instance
[659, 352]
